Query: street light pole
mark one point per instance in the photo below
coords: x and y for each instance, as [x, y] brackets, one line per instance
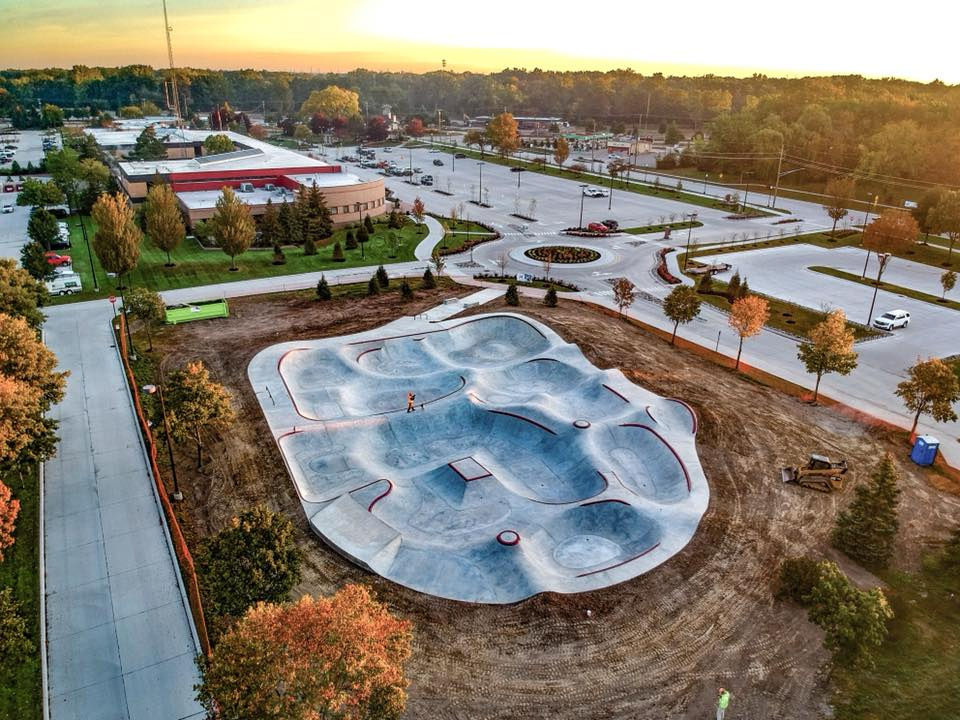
[610, 197]
[686, 255]
[480, 191]
[453, 155]
[158, 389]
[883, 259]
[580, 224]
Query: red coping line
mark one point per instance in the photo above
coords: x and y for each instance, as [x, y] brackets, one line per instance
[508, 543]
[608, 500]
[430, 332]
[464, 477]
[693, 415]
[669, 447]
[379, 497]
[525, 419]
[540, 360]
[368, 351]
[650, 414]
[624, 562]
[287, 387]
[616, 393]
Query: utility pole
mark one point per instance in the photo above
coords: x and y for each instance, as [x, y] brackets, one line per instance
[776, 188]
[173, 75]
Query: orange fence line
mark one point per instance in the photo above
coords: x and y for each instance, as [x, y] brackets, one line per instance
[185, 559]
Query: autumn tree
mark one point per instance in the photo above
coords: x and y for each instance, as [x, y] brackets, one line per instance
[164, 223]
[21, 295]
[378, 128]
[148, 307]
[218, 144]
[930, 388]
[15, 643]
[502, 131]
[839, 191]
[117, 239]
[944, 217]
[232, 225]
[301, 133]
[948, 280]
[331, 101]
[415, 127]
[148, 146]
[682, 305]
[921, 213]
[748, 315]
[894, 232]
[9, 509]
[830, 349]
[866, 530]
[476, 137]
[624, 294]
[418, 210]
[333, 657]
[561, 152]
[42, 228]
[196, 406]
[438, 261]
[254, 559]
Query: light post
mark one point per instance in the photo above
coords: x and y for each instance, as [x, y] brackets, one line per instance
[519, 171]
[686, 255]
[610, 196]
[866, 220]
[580, 224]
[480, 191]
[883, 259]
[453, 156]
[746, 188]
[705, 176]
[151, 389]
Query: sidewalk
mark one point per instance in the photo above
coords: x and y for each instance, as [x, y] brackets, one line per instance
[120, 639]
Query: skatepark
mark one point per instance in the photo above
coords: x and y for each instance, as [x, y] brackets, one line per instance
[519, 469]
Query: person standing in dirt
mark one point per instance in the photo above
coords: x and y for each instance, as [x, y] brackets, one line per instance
[410, 398]
[723, 701]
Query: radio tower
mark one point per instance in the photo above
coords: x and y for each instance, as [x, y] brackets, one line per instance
[173, 75]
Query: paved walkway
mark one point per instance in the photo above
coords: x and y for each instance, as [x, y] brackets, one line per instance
[120, 639]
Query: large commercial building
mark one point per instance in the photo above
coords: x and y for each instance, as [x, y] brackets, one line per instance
[256, 170]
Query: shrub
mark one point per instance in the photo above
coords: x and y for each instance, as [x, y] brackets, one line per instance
[733, 287]
[367, 225]
[338, 253]
[797, 578]
[278, 257]
[867, 529]
[373, 287]
[351, 241]
[363, 235]
[662, 271]
[706, 283]
[550, 299]
[382, 277]
[406, 292]
[428, 282]
[512, 296]
[323, 289]
[309, 247]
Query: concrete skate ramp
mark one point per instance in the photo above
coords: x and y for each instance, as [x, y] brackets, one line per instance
[522, 469]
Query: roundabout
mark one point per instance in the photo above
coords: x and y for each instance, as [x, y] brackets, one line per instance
[563, 254]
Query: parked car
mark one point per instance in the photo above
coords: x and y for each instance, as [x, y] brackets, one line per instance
[9, 187]
[598, 227]
[388, 149]
[426, 180]
[7, 208]
[438, 162]
[57, 260]
[594, 192]
[892, 319]
[66, 284]
[459, 156]
[517, 169]
[611, 224]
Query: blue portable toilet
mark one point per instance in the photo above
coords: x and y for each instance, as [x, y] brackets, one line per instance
[925, 450]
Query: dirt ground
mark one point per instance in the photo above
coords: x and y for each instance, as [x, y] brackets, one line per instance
[654, 647]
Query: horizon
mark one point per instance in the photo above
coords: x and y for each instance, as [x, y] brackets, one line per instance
[368, 35]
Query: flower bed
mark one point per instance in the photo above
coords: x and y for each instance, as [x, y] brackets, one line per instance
[562, 254]
[662, 271]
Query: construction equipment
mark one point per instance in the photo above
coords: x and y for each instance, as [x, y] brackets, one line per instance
[818, 474]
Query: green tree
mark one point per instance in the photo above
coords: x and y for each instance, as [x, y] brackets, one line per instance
[839, 191]
[428, 282]
[309, 246]
[798, 576]
[338, 255]
[550, 298]
[33, 258]
[672, 134]
[478, 138]
[233, 226]
[733, 287]
[854, 621]
[368, 225]
[270, 230]
[254, 559]
[438, 261]
[148, 146]
[948, 280]
[314, 213]
[512, 297]
[682, 305]
[196, 406]
[51, 116]
[930, 388]
[148, 307]
[15, 643]
[117, 239]
[323, 289]
[373, 287]
[406, 291]
[42, 227]
[382, 277]
[867, 529]
[278, 257]
[218, 144]
[830, 349]
[37, 193]
[339, 657]
[290, 226]
[164, 222]
[944, 217]
[351, 240]
[921, 213]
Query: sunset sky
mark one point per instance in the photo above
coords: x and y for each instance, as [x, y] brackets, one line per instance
[752, 36]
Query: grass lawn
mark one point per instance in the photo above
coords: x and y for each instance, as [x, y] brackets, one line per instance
[915, 294]
[20, 691]
[460, 231]
[198, 266]
[644, 229]
[542, 284]
[917, 667]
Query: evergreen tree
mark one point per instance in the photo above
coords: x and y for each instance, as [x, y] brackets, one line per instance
[271, 233]
[550, 299]
[323, 289]
[428, 282]
[309, 246]
[148, 146]
[744, 290]
[42, 227]
[382, 277]
[373, 287]
[278, 257]
[351, 241]
[314, 214]
[866, 530]
[406, 291]
[288, 217]
[338, 253]
[951, 551]
[34, 261]
[706, 283]
[362, 235]
[733, 287]
[368, 224]
[512, 296]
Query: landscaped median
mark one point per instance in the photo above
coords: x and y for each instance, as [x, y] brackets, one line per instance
[196, 266]
[898, 289]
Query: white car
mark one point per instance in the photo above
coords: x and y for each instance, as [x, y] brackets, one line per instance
[7, 209]
[892, 319]
[593, 192]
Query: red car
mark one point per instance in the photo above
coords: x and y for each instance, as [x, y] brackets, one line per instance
[57, 260]
[8, 187]
[598, 227]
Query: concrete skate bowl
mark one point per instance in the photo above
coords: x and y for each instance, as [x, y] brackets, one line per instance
[522, 469]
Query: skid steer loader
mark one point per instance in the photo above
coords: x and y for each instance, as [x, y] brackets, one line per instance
[818, 474]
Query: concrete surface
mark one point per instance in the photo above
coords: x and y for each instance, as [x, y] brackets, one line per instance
[120, 638]
[490, 491]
